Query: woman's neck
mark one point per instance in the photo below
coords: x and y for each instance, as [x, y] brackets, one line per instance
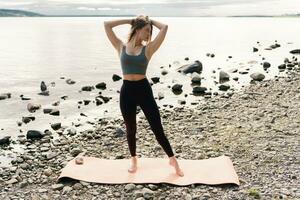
[137, 43]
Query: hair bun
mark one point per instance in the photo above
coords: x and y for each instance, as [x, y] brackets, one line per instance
[133, 22]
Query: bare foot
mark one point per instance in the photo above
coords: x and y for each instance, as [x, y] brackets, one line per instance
[173, 162]
[133, 165]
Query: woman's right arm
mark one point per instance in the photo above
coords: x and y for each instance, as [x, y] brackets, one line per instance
[108, 26]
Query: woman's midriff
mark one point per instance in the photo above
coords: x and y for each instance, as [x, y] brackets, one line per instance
[133, 77]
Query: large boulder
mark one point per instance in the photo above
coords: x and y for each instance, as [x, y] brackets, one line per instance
[5, 140]
[295, 51]
[257, 76]
[223, 76]
[34, 135]
[190, 68]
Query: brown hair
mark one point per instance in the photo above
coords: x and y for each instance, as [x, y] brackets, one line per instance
[138, 23]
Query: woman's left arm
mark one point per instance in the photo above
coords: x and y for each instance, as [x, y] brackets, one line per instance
[155, 44]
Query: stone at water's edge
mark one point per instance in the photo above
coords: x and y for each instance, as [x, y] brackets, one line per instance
[190, 68]
[33, 135]
[295, 51]
[5, 140]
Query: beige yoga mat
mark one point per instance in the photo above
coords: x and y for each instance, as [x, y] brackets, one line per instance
[212, 171]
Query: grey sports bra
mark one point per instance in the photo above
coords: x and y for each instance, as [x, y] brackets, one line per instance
[133, 64]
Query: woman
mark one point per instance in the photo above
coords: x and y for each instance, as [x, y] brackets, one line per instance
[136, 90]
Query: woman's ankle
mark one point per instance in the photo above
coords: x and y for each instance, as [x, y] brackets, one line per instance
[172, 158]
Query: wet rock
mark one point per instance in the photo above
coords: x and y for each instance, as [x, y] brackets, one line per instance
[86, 102]
[70, 81]
[234, 70]
[282, 66]
[70, 131]
[190, 68]
[24, 98]
[177, 87]
[160, 95]
[82, 114]
[21, 139]
[34, 135]
[105, 99]
[274, 46]
[286, 60]
[5, 96]
[257, 76]
[243, 72]
[224, 87]
[56, 126]
[115, 77]
[56, 103]
[87, 88]
[54, 112]
[43, 86]
[181, 101]
[5, 140]
[64, 97]
[44, 93]
[164, 72]
[295, 51]
[101, 85]
[199, 89]
[33, 107]
[290, 66]
[196, 78]
[98, 101]
[28, 119]
[266, 65]
[74, 152]
[155, 79]
[223, 76]
[47, 110]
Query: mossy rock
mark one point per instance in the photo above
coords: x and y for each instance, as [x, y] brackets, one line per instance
[254, 192]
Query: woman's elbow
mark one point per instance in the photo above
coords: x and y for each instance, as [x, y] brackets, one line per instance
[165, 27]
[106, 23]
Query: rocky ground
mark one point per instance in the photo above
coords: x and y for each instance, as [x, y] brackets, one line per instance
[258, 128]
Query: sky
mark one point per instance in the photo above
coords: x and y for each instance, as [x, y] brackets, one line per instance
[156, 7]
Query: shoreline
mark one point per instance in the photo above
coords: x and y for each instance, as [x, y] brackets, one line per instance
[257, 128]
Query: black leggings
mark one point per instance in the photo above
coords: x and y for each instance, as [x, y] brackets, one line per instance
[140, 93]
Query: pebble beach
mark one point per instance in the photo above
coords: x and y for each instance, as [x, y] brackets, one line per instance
[257, 127]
